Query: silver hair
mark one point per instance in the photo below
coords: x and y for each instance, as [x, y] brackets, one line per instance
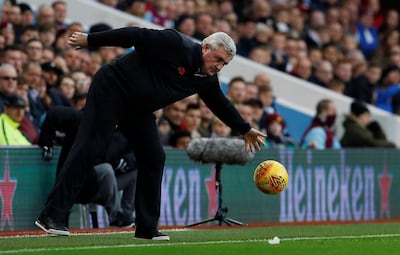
[219, 39]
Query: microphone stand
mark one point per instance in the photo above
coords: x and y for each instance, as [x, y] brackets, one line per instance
[220, 215]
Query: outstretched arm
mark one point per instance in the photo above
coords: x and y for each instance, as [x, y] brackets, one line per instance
[141, 38]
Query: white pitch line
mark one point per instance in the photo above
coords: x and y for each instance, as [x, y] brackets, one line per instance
[164, 243]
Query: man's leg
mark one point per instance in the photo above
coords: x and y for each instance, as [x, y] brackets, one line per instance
[127, 183]
[107, 191]
[95, 131]
[141, 132]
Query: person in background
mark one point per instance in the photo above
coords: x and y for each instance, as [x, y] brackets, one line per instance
[10, 119]
[192, 120]
[320, 133]
[219, 128]
[8, 82]
[276, 137]
[388, 87]
[360, 131]
[180, 139]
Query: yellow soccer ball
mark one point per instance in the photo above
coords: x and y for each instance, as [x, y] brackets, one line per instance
[271, 177]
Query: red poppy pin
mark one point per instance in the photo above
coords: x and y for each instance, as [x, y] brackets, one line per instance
[181, 70]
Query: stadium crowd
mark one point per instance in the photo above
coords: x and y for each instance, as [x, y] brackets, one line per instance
[349, 46]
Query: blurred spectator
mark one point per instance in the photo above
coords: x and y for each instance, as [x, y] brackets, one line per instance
[262, 79]
[323, 73]
[331, 53]
[317, 21]
[173, 115]
[363, 86]
[206, 117]
[266, 96]
[191, 120]
[28, 33]
[247, 113]
[186, 25]
[34, 48]
[303, 69]
[219, 128]
[246, 36]
[389, 40]
[45, 14]
[14, 112]
[47, 35]
[204, 25]
[67, 87]
[236, 90]
[27, 126]
[279, 58]
[366, 34]
[336, 85]
[258, 114]
[72, 59]
[180, 139]
[388, 87]
[336, 33]
[276, 138]
[261, 55]
[13, 55]
[394, 58]
[391, 21]
[344, 72]
[360, 131]
[51, 73]
[315, 56]
[159, 13]
[79, 101]
[60, 14]
[137, 8]
[320, 133]
[48, 55]
[8, 82]
[261, 11]
[251, 90]
[26, 14]
[7, 30]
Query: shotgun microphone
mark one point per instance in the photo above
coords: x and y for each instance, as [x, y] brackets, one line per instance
[219, 150]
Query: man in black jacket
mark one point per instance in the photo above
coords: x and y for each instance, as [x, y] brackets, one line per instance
[164, 67]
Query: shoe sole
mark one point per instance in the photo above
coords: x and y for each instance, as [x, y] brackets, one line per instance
[52, 231]
[156, 238]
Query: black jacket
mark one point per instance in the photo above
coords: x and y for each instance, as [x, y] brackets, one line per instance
[161, 70]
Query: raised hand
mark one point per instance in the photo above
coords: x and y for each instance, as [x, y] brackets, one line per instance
[78, 40]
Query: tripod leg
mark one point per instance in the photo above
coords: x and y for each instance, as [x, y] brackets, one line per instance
[235, 221]
[201, 222]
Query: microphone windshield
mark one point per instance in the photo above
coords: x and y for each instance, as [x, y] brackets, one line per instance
[219, 150]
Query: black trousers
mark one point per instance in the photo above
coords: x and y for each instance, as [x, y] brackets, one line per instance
[106, 107]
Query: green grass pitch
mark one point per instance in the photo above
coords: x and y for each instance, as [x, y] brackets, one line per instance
[354, 239]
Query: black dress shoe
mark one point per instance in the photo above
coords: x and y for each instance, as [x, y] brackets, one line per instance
[51, 226]
[150, 234]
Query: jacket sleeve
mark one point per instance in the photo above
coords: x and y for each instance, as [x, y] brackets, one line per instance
[140, 38]
[63, 119]
[223, 108]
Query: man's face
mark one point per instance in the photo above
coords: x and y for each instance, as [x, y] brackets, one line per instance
[15, 113]
[175, 112]
[8, 81]
[214, 60]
